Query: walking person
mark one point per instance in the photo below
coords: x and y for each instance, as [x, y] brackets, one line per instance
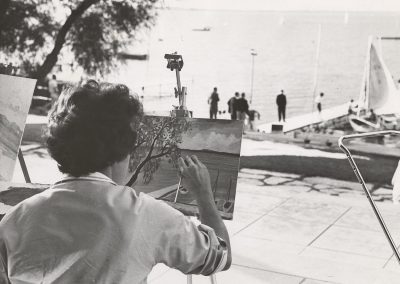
[53, 88]
[253, 114]
[281, 103]
[232, 105]
[242, 107]
[318, 101]
[213, 102]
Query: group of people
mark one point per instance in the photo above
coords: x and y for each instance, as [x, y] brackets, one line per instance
[354, 109]
[238, 107]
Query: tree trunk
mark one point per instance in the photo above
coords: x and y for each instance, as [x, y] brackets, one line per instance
[52, 58]
[139, 168]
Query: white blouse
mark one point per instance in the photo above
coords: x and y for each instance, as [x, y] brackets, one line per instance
[90, 230]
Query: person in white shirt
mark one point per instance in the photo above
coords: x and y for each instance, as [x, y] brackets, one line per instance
[53, 88]
[353, 107]
[88, 227]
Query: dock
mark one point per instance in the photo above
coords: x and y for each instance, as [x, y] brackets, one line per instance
[300, 121]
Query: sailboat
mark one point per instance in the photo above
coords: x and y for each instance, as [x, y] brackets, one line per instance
[378, 92]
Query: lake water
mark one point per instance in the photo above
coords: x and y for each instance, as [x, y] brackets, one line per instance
[286, 44]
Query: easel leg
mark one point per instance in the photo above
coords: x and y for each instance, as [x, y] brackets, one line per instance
[213, 279]
[23, 166]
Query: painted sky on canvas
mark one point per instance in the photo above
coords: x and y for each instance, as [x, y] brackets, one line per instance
[221, 135]
[15, 98]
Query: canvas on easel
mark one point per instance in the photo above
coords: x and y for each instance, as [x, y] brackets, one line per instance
[162, 140]
[15, 99]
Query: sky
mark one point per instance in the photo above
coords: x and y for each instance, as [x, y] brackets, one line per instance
[215, 135]
[287, 5]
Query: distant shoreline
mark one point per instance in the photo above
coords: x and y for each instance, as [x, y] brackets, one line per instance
[211, 151]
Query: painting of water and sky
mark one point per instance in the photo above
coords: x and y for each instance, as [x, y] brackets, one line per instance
[162, 140]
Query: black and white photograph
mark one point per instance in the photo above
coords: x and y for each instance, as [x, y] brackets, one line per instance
[187, 141]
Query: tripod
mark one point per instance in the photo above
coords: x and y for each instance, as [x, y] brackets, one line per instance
[175, 62]
[362, 182]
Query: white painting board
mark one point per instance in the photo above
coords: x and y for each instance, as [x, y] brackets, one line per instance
[15, 99]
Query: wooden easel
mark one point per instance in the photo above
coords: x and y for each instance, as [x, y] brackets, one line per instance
[23, 166]
[175, 62]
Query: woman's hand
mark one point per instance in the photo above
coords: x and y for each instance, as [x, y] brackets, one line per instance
[195, 176]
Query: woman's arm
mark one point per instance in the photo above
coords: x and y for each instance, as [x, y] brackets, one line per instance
[196, 178]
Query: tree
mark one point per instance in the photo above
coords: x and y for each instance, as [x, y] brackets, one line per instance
[157, 137]
[94, 31]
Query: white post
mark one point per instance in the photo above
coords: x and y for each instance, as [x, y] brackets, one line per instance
[315, 82]
[253, 53]
[364, 93]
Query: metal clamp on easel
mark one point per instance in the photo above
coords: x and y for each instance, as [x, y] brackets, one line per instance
[362, 182]
[175, 62]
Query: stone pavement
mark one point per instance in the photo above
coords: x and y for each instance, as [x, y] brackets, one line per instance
[290, 229]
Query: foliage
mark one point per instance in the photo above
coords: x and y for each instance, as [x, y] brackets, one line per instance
[34, 33]
[157, 137]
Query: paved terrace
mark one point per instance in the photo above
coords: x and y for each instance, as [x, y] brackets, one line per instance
[290, 229]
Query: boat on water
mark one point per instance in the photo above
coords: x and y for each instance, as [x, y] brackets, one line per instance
[203, 29]
[362, 125]
[378, 93]
[126, 55]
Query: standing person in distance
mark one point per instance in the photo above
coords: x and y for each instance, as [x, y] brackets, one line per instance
[318, 101]
[213, 102]
[281, 103]
[53, 88]
[232, 105]
[242, 107]
[253, 114]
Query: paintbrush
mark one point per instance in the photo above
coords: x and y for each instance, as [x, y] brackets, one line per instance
[177, 190]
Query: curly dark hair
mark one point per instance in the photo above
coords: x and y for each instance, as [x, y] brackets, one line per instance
[92, 126]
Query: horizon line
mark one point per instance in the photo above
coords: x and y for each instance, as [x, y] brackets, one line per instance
[279, 10]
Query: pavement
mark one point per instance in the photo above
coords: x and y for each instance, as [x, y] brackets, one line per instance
[290, 229]
[287, 230]
[307, 119]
